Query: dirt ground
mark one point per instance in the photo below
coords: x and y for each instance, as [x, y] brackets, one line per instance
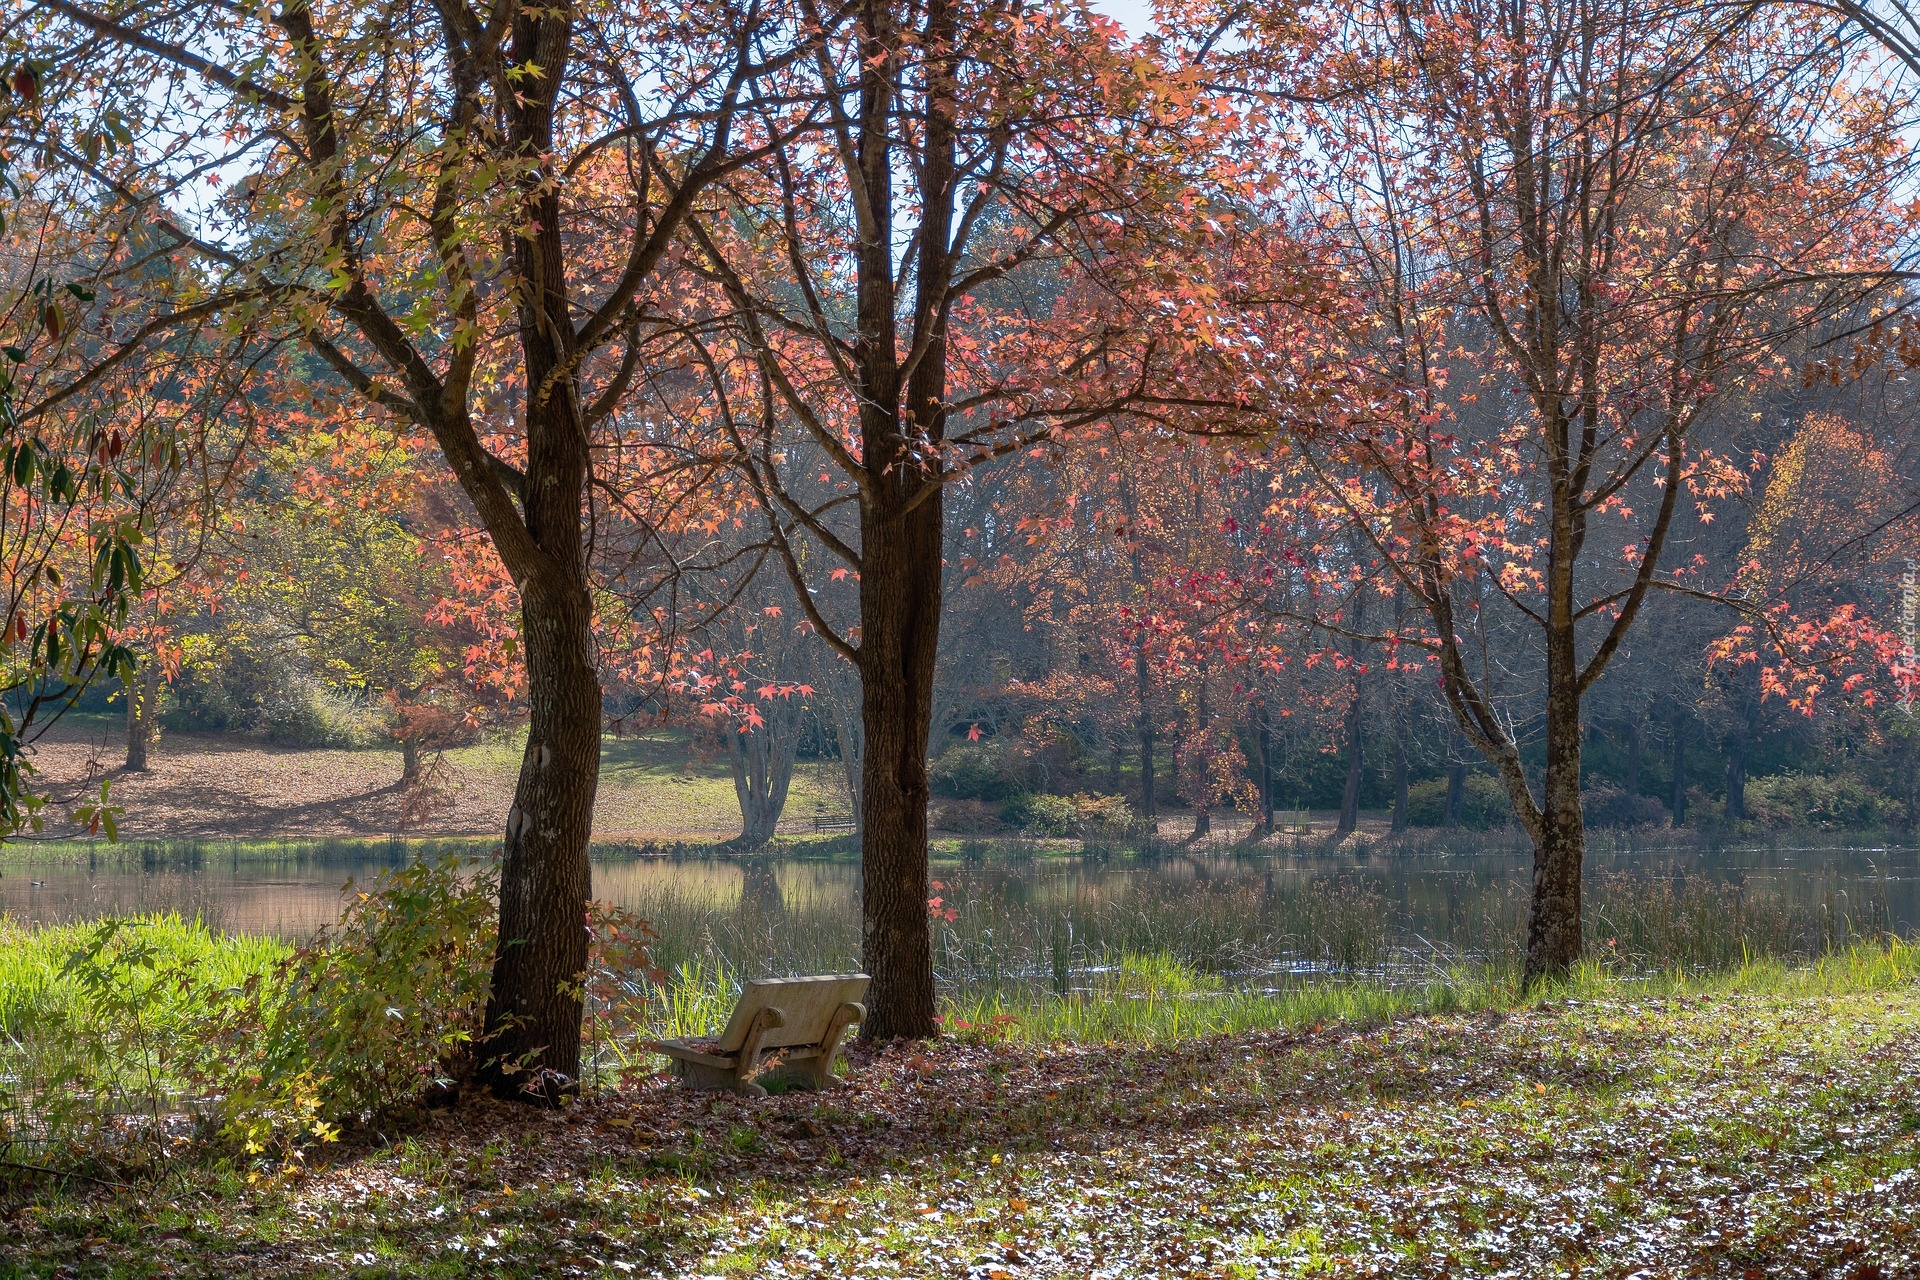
[211, 786]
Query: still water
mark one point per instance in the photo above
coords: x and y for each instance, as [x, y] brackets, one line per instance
[1234, 915]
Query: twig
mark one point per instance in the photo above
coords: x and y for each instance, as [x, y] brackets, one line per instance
[63, 1173]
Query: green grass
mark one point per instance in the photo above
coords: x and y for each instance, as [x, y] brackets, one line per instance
[33, 985]
[1757, 1121]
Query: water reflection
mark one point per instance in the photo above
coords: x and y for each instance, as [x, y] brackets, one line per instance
[1231, 915]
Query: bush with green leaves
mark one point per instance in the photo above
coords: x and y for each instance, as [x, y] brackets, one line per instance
[989, 770]
[1837, 803]
[151, 1031]
[1483, 807]
[373, 1012]
[1041, 815]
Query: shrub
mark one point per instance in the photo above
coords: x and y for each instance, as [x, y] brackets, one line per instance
[1484, 806]
[987, 770]
[1041, 815]
[1606, 806]
[1808, 800]
[968, 817]
[368, 1016]
[1105, 817]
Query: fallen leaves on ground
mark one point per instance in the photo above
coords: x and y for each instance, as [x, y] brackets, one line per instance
[1740, 1136]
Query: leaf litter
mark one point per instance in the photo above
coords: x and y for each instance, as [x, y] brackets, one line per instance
[1744, 1135]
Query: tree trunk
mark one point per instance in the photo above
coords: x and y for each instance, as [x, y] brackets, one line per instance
[900, 621]
[1400, 781]
[1677, 754]
[1456, 780]
[1202, 769]
[1553, 915]
[1350, 795]
[143, 711]
[762, 761]
[1633, 758]
[901, 534]
[1147, 809]
[1736, 776]
[409, 760]
[1265, 744]
[533, 1014]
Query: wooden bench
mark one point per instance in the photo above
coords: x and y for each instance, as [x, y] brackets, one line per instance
[802, 1018]
[825, 822]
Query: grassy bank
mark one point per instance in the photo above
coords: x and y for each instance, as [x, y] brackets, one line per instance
[1757, 1121]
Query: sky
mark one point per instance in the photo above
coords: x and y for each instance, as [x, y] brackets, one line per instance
[1134, 15]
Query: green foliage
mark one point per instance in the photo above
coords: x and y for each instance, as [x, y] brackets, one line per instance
[1484, 807]
[269, 1047]
[986, 770]
[1087, 815]
[1041, 815]
[1829, 803]
[371, 1013]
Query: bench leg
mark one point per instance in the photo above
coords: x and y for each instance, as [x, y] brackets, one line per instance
[817, 1072]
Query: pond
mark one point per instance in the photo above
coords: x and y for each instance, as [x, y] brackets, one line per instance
[1249, 919]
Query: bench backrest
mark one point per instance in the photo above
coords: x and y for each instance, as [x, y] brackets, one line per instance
[807, 1003]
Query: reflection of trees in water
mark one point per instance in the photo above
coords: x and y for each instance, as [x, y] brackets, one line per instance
[760, 889]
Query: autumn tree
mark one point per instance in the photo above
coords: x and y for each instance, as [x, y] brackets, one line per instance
[956, 269]
[1577, 230]
[457, 212]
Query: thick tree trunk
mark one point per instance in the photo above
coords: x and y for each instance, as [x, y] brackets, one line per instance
[533, 1012]
[533, 1016]
[143, 711]
[1350, 794]
[762, 763]
[409, 759]
[900, 622]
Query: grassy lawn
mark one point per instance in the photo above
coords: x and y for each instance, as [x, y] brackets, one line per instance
[1761, 1123]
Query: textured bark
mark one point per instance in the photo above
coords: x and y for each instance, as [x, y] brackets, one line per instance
[1553, 916]
[409, 759]
[901, 537]
[143, 716]
[762, 762]
[533, 1015]
[900, 621]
